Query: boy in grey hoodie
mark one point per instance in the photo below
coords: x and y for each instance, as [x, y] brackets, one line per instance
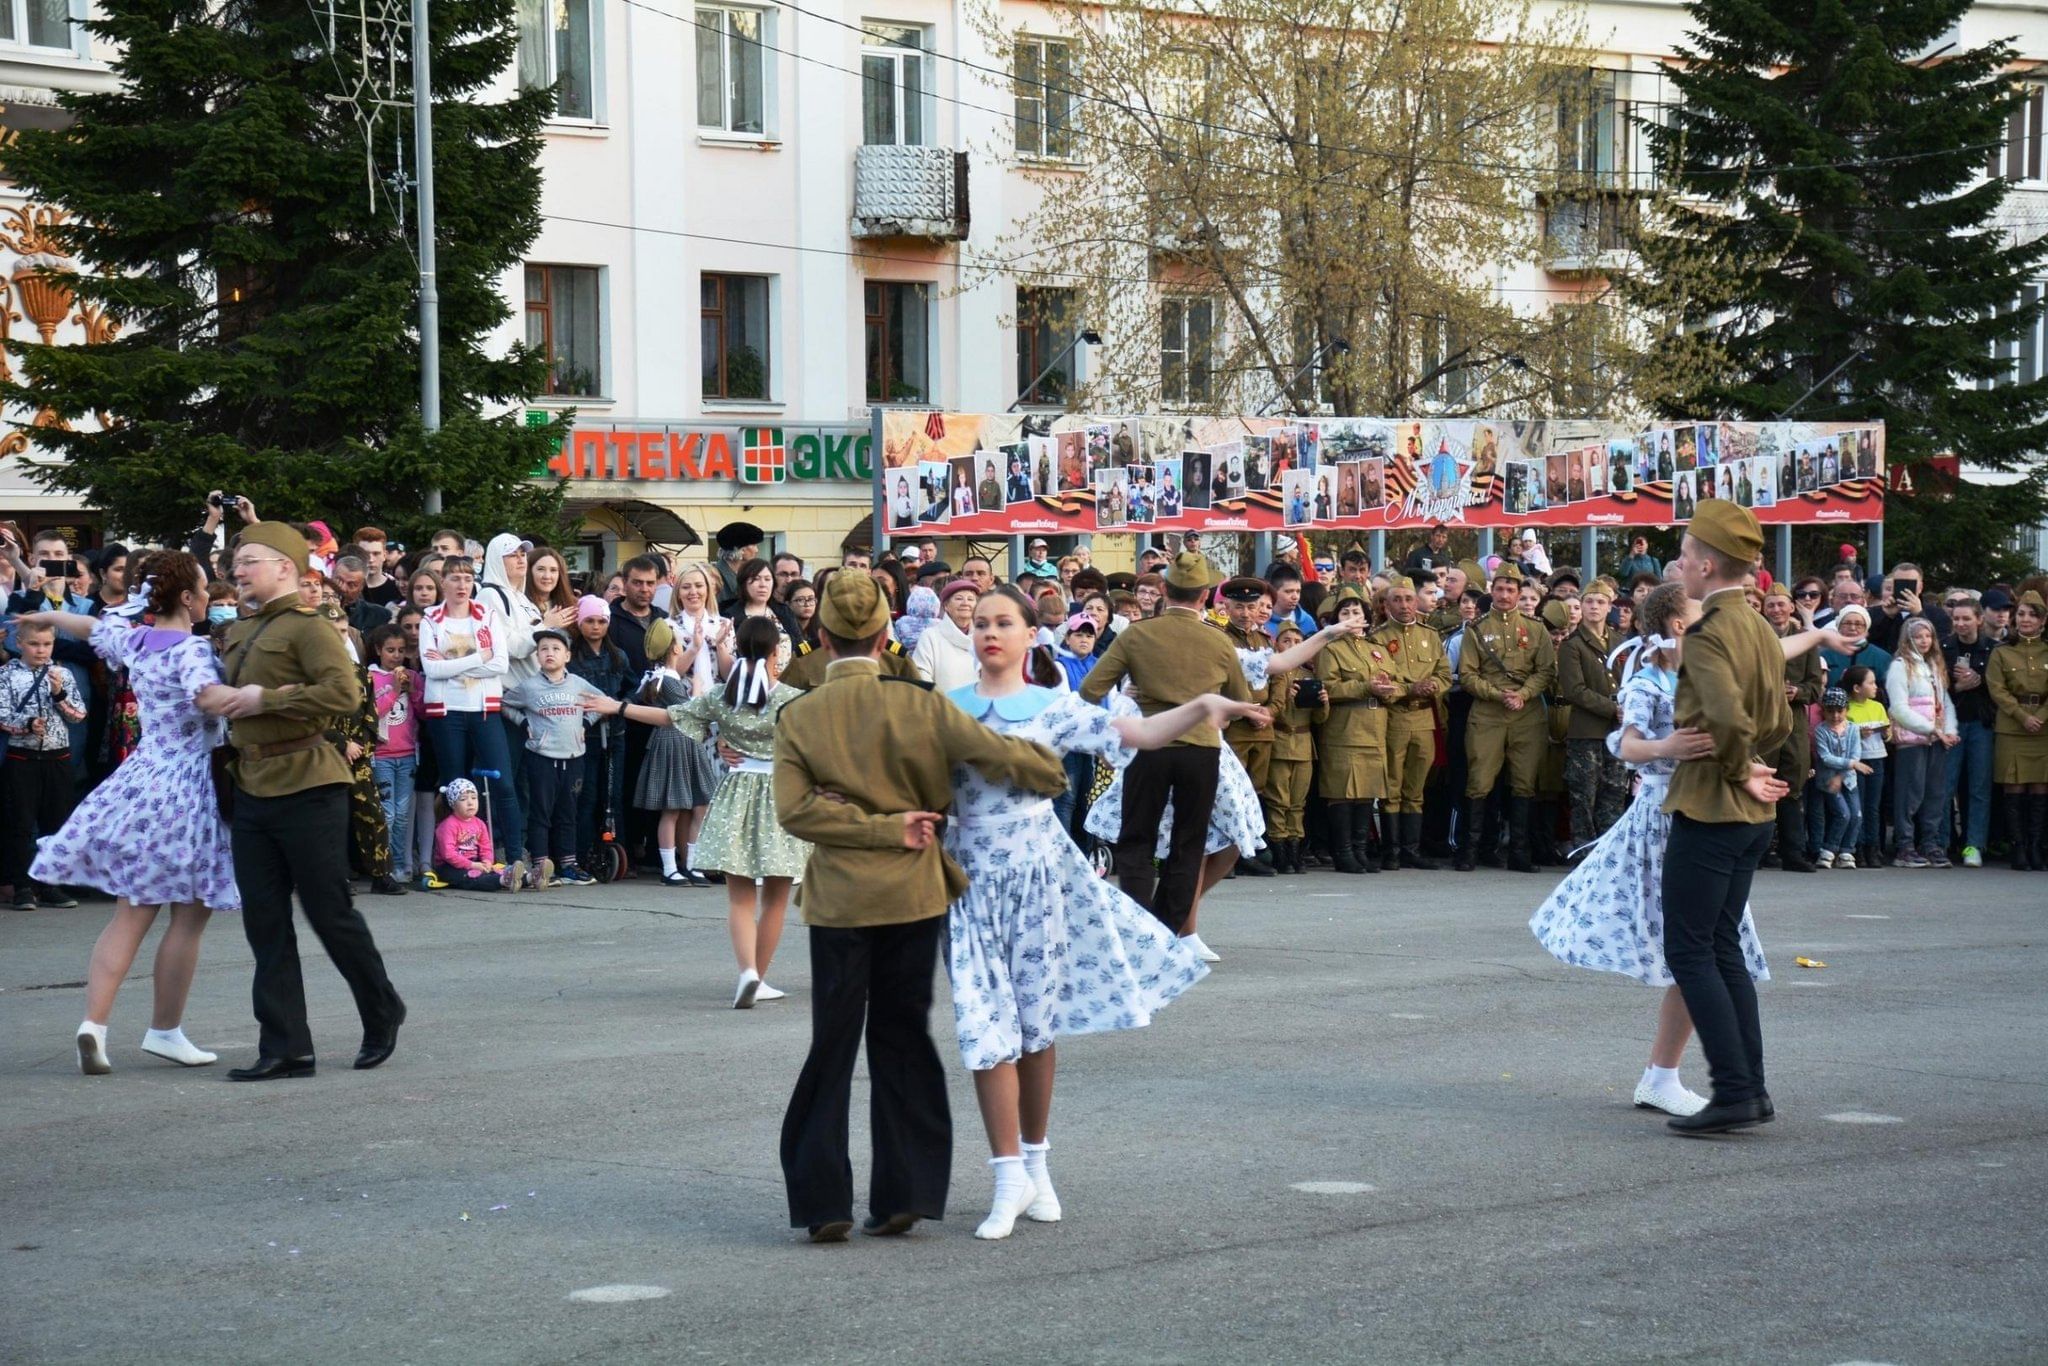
[552, 764]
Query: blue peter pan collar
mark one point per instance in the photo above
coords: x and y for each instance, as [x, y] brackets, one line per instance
[1016, 706]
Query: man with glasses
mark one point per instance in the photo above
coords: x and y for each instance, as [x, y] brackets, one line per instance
[288, 677]
[1968, 652]
[788, 569]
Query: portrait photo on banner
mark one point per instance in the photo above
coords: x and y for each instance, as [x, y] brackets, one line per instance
[1112, 498]
[1297, 494]
[903, 497]
[1170, 500]
[964, 501]
[1683, 497]
[934, 478]
[1144, 506]
[1195, 486]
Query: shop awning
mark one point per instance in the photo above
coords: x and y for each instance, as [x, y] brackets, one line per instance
[863, 534]
[653, 521]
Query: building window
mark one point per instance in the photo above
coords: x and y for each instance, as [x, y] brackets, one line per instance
[37, 23]
[2018, 157]
[1045, 333]
[1045, 98]
[735, 336]
[898, 337]
[556, 48]
[2024, 357]
[1592, 132]
[895, 75]
[562, 324]
[732, 70]
[1186, 350]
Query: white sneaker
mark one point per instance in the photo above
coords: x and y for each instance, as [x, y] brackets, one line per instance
[513, 879]
[1845, 860]
[172, 1046]
[1202, 951]
[749, 988]
[1002, 1215]
[768, 993]
[1826, 860]
[92, 1054]
[1972, 858]
[543, 875]
[1672, 1100]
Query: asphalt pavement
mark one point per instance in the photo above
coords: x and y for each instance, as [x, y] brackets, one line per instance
[1388, 1127]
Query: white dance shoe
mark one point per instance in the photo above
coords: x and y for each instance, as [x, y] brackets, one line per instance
[1202, 951]
[92, 1054]
[1674, 1099]
[744, 995]
[172, 1046]
[768, 993]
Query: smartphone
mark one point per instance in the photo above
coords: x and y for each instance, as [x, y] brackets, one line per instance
[1905, 586]
[59, 569]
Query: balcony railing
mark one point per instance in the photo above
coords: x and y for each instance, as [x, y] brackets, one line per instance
[1586, 231]
[910, 192]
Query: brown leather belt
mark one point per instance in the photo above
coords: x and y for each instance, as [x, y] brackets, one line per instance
[281, 747]
[1413, 703]
[2030, 699]
[1355, 702]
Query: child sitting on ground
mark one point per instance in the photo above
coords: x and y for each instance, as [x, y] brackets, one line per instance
[462, 846]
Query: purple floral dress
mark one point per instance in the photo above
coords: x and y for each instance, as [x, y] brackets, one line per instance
[152, 832]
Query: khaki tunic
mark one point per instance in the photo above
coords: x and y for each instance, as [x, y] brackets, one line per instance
[1292, 769]
[1587, 686]
[1172, 658]
[887, 746]
[1415, 655]
[309, 683]
[1353, 741]
[806, 669]
[1731, 684]
[2018, 671]
[1506, 652]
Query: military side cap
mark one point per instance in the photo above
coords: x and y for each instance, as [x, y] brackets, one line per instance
[1328, 611]
[1729, 528]
[280, 537]
[1244, 588]
[661, 638]
[1123, 581]
[1556, 615]
[1400, 583]
[853, 608]
[2031, 599]
[1507, 570]
[1778, 590]
[1558, 576]
[1473, 573]
[1189, 571]
[740, 535]
[1603, 586]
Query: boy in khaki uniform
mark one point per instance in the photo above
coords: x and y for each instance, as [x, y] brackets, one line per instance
[1296, 714]
[1421, 669]
[863, 769]
[1507, 665]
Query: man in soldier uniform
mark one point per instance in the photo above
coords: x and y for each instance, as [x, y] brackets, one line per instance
[1507, 665]
[1243, 602]
[288, 678]
[864, 771]
[808, 663]
[1595, 780]
[1171, 658]
[1421, 675]
[1806, 678]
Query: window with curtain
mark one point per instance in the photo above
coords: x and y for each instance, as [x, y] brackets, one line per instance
[1187, 356]
[1043, 87]
[735, 336]
[895, 77]
[898, 342]
[557, 47]
[732, 70]
[562, 324]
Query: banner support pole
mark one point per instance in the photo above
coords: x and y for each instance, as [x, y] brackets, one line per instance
[1376, 546]
[1876, 565]
[1783, 571]
[880, 529]
[1589, 554]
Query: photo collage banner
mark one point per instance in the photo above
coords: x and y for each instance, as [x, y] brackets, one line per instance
[1013, 474]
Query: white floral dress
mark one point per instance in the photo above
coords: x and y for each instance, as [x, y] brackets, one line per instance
[1040, 947]
[1609, 912]
[1236, 819]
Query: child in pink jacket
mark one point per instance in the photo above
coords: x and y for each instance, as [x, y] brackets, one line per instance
[462, 846]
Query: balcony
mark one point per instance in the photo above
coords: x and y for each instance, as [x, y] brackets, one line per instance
[910, 192]
[1586, 232]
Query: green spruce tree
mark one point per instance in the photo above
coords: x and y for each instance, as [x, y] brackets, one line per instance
[218, 212]
[1825, 195]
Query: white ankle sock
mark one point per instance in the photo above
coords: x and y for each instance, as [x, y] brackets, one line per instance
[668, 858]
[690, 856]
[1045, 1205]
[175, 1034]
[1661, 1076]
[98, 1031]
[1013, 1192]
[1034, 1159]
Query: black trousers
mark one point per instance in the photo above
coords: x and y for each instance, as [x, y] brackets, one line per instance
[1708, 867]
[552, 786]
[881, 976]
[1187, 775]
[39, 787]
[299, 842]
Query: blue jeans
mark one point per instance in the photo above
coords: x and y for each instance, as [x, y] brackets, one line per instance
[466, 742]
[1870, 787]
[1845, 821]
[1068, 805]
[394, 791]
[1971, 756]
[1919, 820]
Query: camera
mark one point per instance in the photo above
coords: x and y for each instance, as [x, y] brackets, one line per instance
[225, 500]
[1308, 692]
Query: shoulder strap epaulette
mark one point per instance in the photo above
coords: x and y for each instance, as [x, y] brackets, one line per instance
[899, 678]
[895, 647]
[804, 647]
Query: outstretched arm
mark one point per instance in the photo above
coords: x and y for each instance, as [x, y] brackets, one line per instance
[1157, 732]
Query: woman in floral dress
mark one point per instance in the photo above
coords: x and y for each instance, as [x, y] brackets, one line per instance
[152, 833]
[1040, 947]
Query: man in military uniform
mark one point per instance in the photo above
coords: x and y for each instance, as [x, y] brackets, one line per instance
[1455, 580]
[807, 664]
[1251, 743]
[1421, 680]
[288, 679]
[1731, 685]
[1507, 665]
[1806, 678]
[1595, 780]
[1171, 658]
[864, 771]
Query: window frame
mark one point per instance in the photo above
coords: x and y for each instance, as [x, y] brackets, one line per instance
[2016, 156]
[762, 50]
[724, 312]
[546, 308]
[595, 35]
[875, 338]
[1185, 307]
[17, 13]
[1040, 338]
[1039, 92]
[923, 57]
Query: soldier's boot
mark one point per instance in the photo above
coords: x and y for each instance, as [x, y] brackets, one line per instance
[2016, 804]
[1340, 836]
[1361, 837]
[1468, 834]
[1518, 836]
[1295, 862]
[1489, 835]
[1792, 837]
[1390, 842]
[1411, 843]
[2037, 831]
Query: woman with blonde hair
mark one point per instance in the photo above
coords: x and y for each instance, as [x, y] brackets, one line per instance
[1923, 730]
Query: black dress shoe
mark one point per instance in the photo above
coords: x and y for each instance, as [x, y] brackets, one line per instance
[378, 1047]
[385, 885]
[1718, 1119]
[270, 1069]
[831, 1231]
[1766, 1112]
[892, 1227]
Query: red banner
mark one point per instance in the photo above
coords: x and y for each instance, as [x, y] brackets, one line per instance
[1013, 474]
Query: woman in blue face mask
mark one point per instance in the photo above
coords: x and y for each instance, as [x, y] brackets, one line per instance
[220, 609]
